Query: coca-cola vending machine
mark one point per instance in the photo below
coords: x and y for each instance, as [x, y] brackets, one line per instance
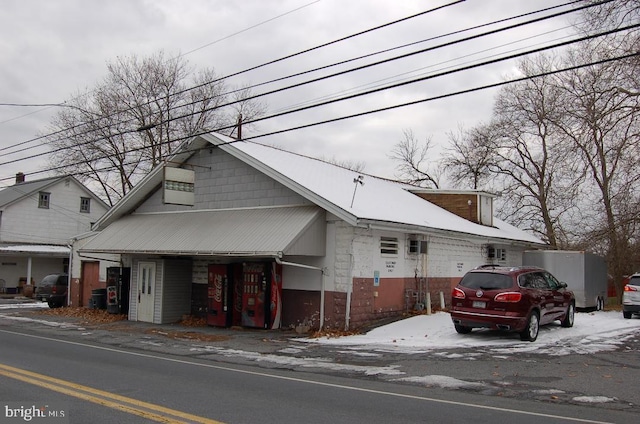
[219, 307]
[261, 294]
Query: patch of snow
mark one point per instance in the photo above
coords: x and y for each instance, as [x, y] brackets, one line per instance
[592, 332]
[548, 392]
[292, 350]
[24, 305]
[63, 325]
[443, 381]
[324, 363]
[360, 353]
[593, 399]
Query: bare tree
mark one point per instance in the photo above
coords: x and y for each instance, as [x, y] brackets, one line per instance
[135, 118]
[602, 124]
[540, 177]
[413, 157]
[467, 161]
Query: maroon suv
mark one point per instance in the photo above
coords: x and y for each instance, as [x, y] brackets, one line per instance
[516, 299]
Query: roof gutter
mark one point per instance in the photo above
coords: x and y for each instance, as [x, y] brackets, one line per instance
[414, 229]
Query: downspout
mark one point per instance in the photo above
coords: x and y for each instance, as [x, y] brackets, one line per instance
[324, 273]
[70, 246]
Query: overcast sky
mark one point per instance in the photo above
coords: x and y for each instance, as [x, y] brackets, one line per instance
[52, 50]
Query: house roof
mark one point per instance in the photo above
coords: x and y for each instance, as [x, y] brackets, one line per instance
[263, 232]
[25, 189]
[377, 203]
[20, 190]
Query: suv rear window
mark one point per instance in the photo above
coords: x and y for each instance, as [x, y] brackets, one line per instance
[635, 280]
[49, 280]
[54, 279]
[486, 281]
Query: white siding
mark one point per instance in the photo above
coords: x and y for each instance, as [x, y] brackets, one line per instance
[106, 260]
[172, 297]
[25, 222]
[12, 268]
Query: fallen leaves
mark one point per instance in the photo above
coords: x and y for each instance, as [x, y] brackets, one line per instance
[193, 321]
[331, 333]
[189, 335]
[86, 315]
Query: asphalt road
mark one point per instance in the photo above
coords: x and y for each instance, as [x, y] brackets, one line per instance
[160, 387]
[219, 380]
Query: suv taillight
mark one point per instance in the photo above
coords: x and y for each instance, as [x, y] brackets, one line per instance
[457, 293]
[509, 297]
[630, 288]
[53, 289]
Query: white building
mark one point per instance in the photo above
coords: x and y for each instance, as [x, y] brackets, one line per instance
[37, 222]
[257, 236]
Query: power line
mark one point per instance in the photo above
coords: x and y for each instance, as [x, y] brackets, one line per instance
[405, 83]
[259, 66]
[397, 106]
[458, 41]
[380, 62]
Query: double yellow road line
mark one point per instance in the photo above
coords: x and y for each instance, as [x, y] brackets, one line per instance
[122, 403]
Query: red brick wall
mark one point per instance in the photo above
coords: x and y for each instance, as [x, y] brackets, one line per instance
[369, 303]
[299, 306]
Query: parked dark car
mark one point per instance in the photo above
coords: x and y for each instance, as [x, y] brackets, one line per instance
[53, 290]
[631, 297]
[514, 299]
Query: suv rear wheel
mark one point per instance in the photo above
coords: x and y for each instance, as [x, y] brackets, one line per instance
[461, 329]
[530, 333]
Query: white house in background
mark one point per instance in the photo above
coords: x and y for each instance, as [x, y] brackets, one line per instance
[37, 222]
[252, 235]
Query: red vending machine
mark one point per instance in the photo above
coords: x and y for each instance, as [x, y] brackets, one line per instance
[219, 308]
[254, 295]
[261, 294]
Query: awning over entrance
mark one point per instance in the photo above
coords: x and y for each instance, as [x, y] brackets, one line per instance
[35, 250]
[264, 232]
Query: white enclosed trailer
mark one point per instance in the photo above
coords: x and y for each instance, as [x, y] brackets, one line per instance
[584, 273]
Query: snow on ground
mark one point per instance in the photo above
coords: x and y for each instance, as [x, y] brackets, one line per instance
[23, 305]
[592, 332]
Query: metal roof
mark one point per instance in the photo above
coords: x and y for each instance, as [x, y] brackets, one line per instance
[379, 202]
[227, 232]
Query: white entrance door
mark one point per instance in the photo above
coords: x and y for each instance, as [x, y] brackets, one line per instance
[146, 290]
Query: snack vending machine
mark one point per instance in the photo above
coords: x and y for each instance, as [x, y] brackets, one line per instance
[219, 307]
[261, 294]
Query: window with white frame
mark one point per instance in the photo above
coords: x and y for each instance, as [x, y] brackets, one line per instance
[389, 246]
[85, 204]
[43, 200]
